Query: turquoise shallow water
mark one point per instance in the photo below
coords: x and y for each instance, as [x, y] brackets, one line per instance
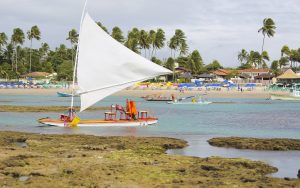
[194, 123]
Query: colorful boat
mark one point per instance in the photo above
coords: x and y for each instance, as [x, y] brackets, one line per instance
[293, 96]
[61, 94]
[195, 100]
[157, 98]
[192, 103]
[104, 66]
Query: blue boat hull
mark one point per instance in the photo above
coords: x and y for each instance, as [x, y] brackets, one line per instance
[61, 94]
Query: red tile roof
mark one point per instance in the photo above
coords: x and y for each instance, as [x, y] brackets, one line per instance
[221, 72]
[254, 71]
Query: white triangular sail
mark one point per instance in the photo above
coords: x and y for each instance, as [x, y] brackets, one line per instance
[105, 66]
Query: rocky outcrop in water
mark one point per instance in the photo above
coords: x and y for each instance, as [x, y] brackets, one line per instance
[274, 144]
[91, 161]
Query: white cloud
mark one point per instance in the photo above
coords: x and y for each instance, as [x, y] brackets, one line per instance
[218, 28]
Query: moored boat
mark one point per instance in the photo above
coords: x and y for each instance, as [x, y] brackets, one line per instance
[102, 123]
[129, 117]
[193, 103]
[195, 100]
[104, 66]
[289, 97]
[158, 98]
[62, 94]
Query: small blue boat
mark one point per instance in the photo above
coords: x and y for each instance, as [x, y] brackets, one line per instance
[61, 94]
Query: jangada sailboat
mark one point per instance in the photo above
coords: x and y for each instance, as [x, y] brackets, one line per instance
[104, 66]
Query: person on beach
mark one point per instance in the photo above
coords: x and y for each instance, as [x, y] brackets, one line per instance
[173, 97]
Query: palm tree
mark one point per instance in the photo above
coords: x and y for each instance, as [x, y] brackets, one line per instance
[285, 50]
[3, 72]
[158, 40]
[156, 60]
[254, 59]
[172, 45]
[9, 53]
[183, 48]
[152, 36]
[170, 64]
[264, 57]
[62, 51]
[73, 38]
[103, 27]
[178, 41]
[283, 61]
[3, 40]
[43, 51]
[268, 29]
[242, 56]
[132, 41]
[118, 34]
[17, 37]
[274, 67]
[33, 33]
[294, 58]
[198, 61]
[144, 41]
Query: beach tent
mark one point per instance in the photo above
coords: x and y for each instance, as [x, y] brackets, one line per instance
[250, 85]
[186, 85]
[288, 76]
[198, 83]
[213, 85]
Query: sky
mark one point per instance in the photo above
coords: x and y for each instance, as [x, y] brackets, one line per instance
[218, 29]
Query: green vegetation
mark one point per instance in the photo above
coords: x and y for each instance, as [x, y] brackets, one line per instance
[35, 160]
[255, 59]
[17, 60]
[275, 144]
[11, 108]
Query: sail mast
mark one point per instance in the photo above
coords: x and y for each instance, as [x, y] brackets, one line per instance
[76, 57]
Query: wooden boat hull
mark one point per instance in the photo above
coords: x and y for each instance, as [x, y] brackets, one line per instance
[193, 103]
[159, 100]
[284, 97]
[102, 123]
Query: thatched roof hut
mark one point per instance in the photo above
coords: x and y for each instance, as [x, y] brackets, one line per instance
[289, 74]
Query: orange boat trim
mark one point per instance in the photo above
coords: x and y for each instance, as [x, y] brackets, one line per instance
[43, 120]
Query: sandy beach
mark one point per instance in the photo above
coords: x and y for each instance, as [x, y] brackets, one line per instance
[257, 93]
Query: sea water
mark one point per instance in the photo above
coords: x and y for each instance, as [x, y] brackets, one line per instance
[194, 123]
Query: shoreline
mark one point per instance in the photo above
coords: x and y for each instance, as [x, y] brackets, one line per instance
[258, 93]
[31, 159]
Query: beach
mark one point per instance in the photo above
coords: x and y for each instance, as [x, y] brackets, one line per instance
[258, 93]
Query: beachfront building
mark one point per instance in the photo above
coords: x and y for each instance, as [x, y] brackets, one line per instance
[38, 77]
[221, 74]
[252, 73]
[288, 77]
[208, 77]
[261, 76]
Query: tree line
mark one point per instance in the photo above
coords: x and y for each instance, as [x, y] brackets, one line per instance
[17, 60]
[254, 59]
